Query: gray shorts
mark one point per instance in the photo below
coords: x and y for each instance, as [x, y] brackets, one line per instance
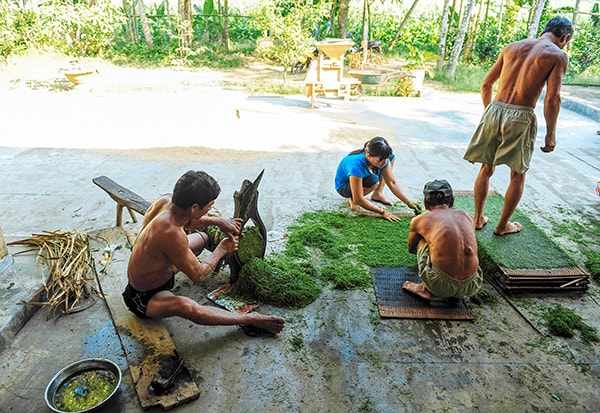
[441, 284]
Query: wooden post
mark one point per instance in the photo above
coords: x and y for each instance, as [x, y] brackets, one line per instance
[6, 260]
[3, 249]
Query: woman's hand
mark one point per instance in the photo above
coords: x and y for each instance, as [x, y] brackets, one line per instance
[390, 217]
[415, 207]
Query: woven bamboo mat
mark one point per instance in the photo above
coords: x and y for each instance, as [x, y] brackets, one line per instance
[394, 302]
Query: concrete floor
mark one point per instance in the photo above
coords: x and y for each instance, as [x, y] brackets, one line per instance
[336, 355]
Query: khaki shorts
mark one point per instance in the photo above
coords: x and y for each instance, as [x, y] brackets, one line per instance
[441, 284]
[505, 135]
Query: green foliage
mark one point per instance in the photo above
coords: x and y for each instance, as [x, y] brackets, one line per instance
[241, 30]
[418, 59]
[88, 29]
[207, 23]
[563, 322]
[585, 50]
[138, 54]
[483, 296]
[20, 30]
[288, 25]
[8, 36]
[99, 29]
[161, 24]
[466, 79]
[487, 47]
[592, 264]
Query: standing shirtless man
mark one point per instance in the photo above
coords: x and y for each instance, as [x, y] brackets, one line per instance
[507, 131]
[162, 249]
[446, 248]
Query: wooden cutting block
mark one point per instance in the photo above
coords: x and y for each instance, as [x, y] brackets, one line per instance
[147, 342]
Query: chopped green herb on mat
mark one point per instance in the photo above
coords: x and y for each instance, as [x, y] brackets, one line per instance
[529, 249]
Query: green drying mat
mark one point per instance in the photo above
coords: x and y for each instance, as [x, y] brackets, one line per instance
[528, 261]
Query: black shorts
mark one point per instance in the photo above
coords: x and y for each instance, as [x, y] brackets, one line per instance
[367, 182]
[137, 301]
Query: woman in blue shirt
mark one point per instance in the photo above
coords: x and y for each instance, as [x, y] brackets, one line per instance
[366, 171]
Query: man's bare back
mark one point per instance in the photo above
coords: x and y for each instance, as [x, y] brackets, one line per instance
[525, 66]
[450, 236]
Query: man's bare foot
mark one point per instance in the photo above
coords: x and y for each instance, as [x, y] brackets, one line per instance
[271, 324]
[381, 199]
[510, 228]
[417, 289]
[481, 223]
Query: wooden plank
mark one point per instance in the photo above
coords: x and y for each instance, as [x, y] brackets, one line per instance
[123, 197]
[147, 342]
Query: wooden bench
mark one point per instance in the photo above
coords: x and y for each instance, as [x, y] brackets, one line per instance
[123, 197]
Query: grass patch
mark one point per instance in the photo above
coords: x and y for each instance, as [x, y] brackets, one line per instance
[465, 79]
[563, 322]
[585, 232]
[529, 249]
[296, 343]
[373, 242]
[483, 296]
[592, 264]
[346, 276]
[325, 247]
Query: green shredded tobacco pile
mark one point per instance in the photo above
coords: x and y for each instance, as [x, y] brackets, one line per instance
[324, 248]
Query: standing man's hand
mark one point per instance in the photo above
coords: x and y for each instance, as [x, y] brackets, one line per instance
[550, 143]
[547, 148]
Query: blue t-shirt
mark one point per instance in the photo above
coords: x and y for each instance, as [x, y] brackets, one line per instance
[356, 165]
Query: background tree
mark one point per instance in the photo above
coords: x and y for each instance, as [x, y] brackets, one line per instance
[145, 25]
[443, 34]
[535, 20]
[185, 24]
[460, 37]
[404, 21]
[289, 27]
[343, 7]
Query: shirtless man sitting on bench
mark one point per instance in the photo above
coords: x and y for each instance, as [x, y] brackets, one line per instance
[163, 248]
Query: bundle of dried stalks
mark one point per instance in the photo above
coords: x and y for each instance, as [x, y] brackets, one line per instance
[67, 258]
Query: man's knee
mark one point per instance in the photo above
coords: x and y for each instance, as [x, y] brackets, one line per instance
[183, 306]
[515, 176]
[487, 169]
